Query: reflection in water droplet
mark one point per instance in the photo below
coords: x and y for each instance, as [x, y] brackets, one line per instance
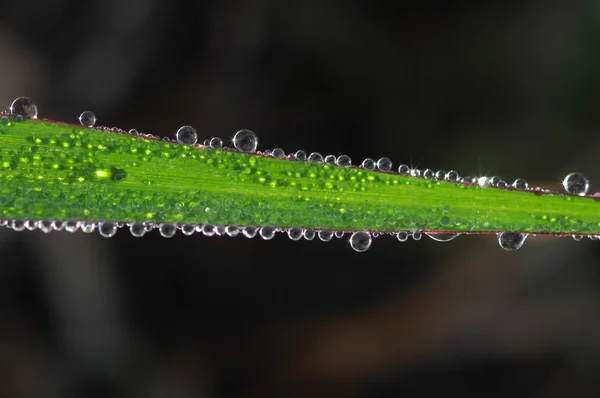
[87, 119]
[107, 229]
[520, 184]
[24, 107]
[343, 161]
[295, 233]
[368, 164]
[360, 241]
[245, 141]
[168, 230]
[137, 229]
[384, 164]
[278, 153]
[187, 135]
[511, 241]
[325, 235]
[216, 143]
[442, 237]
[267, 232]
[576, 184]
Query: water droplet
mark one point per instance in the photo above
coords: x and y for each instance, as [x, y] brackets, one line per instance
[428, 173]
[339, 234]
[133, 132]
[59, 225]
[245, 141]
[267, 232]
[208, 230]
[30, 225]
[278, 153]
[440, 174]
[300, 155]
[402, 236]
[384, 164]
[483, 181]
[343, 161]
[417, 235]
[576, 184]
[360, 241]
[220, 230]
[88, 227]
[520, 184]
[577, 237]
[309, 234]
[404, 169]
[137, 229]
[168, 230]
[493, 181]
[442, 237]
[45, 226]
[415, 173]
[232, 230]
[452, 175]
[315, 157]
[249, 231]
[187, 135]
[330, 159]
[18, 225]
[24, 107]
[368, 164]
[295, 233]
[501, 184]
[87, 119]
[72, 226]
[107, 229]
[188, 229]
[216, 143]
[325, 235]
[511, 241]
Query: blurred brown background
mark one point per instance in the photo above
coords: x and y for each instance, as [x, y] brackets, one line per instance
[498, 88]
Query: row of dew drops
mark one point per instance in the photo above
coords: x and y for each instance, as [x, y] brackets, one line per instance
[246, 141]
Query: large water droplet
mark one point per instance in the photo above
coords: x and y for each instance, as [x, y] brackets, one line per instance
[384, 164]
[137, 229]
[107, 229]
[187, 135]
[168, 230]
[511, 241]
[343, 161]
[442, 237]
[245, 141]
[267, 232]
[24, 107]
[87, 119]
[295, 233]
[576, 184]
[360, 241]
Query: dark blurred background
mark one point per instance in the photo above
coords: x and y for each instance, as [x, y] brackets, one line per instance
[486, 88]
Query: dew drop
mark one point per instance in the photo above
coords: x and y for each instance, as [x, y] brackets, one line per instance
[30, 225]
[576, 184]
[45, 226]
[315, 157]
[384, 164]
[493, 181]
[137, 229]
[520, 184]
[167, 230]
[415, 173]
[133, 132]
[300, 155]
[428, 173]
[368, 164]
[232, 230]
[245, 141]
[88, 227]
[417, 235]
[501, 184]
[107, 229]
[404, 169]
[442, 237]
[577, 237]
[440, 174]
[278, 153]
[402, 236]
[343, 161]
[188, 229]
[18, 225]
[208, 229]
[187, 135]
[452, 176]
[360, 241]
[511, 241]
[87, 119]
[330, 159]
[339, 234]
[295, 233]
[267, 232]
[216, 143]
[220, 230]
[24, 107]
[309, 234]
[249, 231]
[325, 235]
[72, 226]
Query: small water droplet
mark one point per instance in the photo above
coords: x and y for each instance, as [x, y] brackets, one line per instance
[232, 230]
[325, 235]
[278, 153]
[168, 230]
[87, 119]
[315, 157]
[208, 229]
[107, 229]
[188, 229]
[330, 159]
[72, 226]
[249, 231]
[452, 175]
[483, 181]
[520, 184]
[30, 225]
[440, 174]
[417, 235]
[343, 161]
[428, 173]
[295, 233]
[415, 173]
[360, 241]
[339, 234]
[368, 164]
[59, 225]
[187, 135]
[24, 107]
[137, 229]
[220, 230]
[18, 225]
[402, 236]
[511, 241]
[442, 237]
[309, 234]
[404, 169]
[215, 143]
[576, 184]
[133, 132]
[501, 184]
[493, 181]
[245, 141]
[88, 227]
[300, 155]
[384, 164]
[267, 232]
[577, 237]
[45, 226]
